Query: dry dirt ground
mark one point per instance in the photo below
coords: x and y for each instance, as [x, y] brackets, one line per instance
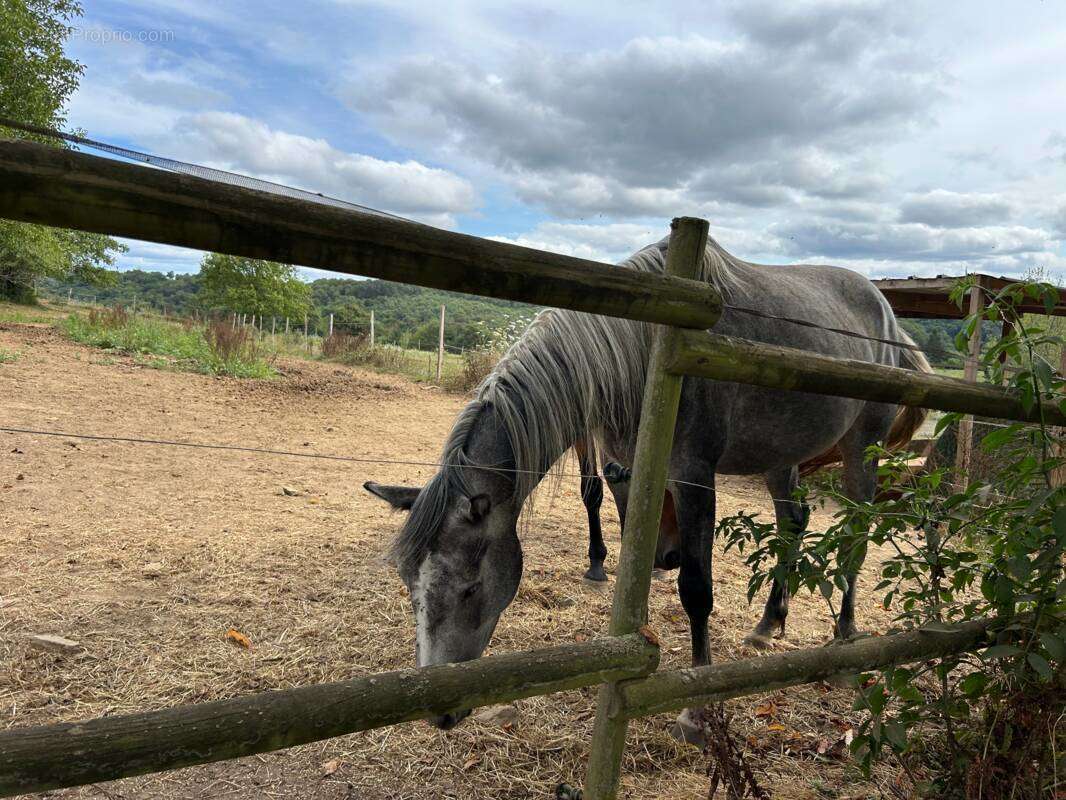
[302, 577]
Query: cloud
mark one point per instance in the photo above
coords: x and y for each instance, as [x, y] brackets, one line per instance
[236, 142]
[665, 114]
[911, 241]
[158, 257]
[943, 209]
[614, 242]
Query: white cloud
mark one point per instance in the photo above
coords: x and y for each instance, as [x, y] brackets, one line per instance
[158, 257]
[235, 142]
[944, 209]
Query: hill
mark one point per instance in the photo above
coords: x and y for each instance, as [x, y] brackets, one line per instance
[402, 314]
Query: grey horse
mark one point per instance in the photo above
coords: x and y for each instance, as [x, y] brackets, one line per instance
[574, 377]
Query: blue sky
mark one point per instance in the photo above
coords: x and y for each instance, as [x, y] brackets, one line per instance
[891, 137]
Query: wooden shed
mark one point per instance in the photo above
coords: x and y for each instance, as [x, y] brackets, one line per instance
[928, 298]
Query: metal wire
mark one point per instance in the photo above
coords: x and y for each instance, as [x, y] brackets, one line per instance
[351, 459]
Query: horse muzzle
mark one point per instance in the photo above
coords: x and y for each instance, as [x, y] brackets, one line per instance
[448, 721]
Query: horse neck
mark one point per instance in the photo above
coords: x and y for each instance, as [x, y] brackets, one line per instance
[571, 375]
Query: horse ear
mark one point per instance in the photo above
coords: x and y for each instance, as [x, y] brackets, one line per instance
[475, 508]
[399, 497]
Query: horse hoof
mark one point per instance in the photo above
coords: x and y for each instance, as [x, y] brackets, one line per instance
[596, 574]
[686, 731]
[759, 641]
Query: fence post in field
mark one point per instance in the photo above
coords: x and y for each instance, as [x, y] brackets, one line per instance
[330, 324]
[964, 437]
[70, 292]
[371, 327]
[440, 345]
[286, 326]
[273, 330]
[307, 340]
[655, 438]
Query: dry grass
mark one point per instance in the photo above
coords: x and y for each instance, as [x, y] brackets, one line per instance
[303, 578]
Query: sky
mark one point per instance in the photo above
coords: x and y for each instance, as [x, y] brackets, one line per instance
[894, 138]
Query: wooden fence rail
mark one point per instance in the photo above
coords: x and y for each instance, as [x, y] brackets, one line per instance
[74, 753]
[724, 358]
[52, 186]
[691, 688]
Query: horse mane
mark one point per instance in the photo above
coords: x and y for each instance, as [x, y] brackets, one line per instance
[571, 374]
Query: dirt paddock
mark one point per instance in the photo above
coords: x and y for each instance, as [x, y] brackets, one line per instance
[147, 555]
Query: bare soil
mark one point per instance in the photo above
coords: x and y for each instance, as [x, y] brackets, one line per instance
[303, 578]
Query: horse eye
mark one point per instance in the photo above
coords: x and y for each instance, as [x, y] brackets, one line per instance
[471, 590]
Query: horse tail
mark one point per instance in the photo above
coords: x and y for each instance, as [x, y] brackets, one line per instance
[907, 422]
[908, 418]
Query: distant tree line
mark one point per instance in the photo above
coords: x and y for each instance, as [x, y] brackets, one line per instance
[402, 314]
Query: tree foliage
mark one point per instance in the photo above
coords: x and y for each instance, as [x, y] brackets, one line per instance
[252, 286]
[36, 79]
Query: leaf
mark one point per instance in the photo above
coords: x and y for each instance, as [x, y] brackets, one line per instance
[1039, 663]
[471, 762]
[973, 684]
[238, 638]
[331, 766]
[896, 733]
[1054, 645]
[776, 726]
[767, 710]
[1000, 651]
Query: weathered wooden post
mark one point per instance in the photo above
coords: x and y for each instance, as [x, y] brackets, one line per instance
[330, 324]
[662, 393]
[440, 345]
[964, 437]
[371, 327]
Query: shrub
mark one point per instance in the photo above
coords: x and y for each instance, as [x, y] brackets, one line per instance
[973, 725]
[216, 350]
[477, 364]
[344, 347]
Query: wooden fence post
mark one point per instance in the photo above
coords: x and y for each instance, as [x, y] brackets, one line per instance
[662, 394]
[307, 341]
[286, 326]
[330, 324]
[964, 436]
[440, 345]
[371, 327]
[273, 330]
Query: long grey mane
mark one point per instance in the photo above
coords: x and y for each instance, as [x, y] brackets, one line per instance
[570, 376]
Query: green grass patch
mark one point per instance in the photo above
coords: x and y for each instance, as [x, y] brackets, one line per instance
[8, 356]
[25, 315]
[165, 345]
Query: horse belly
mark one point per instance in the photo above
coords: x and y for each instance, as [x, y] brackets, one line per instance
[767, 433]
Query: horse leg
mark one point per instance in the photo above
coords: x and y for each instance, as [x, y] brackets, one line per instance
[695, 509]
[860, 484]
[792, 518]
[592, 497]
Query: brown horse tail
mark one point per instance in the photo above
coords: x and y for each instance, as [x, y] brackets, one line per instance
[907, 422]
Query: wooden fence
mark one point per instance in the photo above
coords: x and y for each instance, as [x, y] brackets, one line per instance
[64, 188]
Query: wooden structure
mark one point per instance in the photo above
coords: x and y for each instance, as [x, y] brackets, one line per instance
[928, 298]
[58, 187]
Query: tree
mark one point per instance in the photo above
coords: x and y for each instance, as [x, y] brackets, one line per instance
[36, 78]
[937, 346]
[252, 286]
